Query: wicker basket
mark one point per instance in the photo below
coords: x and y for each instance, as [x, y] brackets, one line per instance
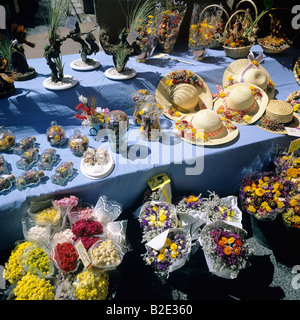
[271, 50]
[240, 52]
[252, 3]
[296, 66]
[237, 53]
[215, 43]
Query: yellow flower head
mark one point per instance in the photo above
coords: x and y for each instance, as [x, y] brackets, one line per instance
[173, 246]
[255, 62]
[161, 257]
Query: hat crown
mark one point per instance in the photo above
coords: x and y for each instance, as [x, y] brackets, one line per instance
[280, 107]
[207, 119]
[185, 96]
[257, 77]
[241, 98]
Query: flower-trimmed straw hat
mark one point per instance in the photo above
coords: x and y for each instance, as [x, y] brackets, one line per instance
[181, 93]
[242, 103]
[279, 114]
[206, 128]
[249, 70]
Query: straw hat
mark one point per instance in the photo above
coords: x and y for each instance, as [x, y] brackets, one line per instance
[254, 74]
[206, 128]
[181, 99]
[279, 112]
[243, 103]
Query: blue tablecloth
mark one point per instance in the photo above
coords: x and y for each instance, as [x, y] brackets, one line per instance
[192, 169]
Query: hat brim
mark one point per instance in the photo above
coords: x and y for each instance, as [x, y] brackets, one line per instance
[163, 97]
[261, 102]
[226, 136]
[234, 70]
[295, 123]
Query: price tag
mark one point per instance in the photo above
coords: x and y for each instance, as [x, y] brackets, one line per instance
[83, 255]
[158, 181]
[132, 37]
[70, 22]
[295, 132]
[294, 145]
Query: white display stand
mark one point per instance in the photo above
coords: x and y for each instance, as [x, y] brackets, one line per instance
[66, 83]
[97, 172]
[113, 74]
[80, 65]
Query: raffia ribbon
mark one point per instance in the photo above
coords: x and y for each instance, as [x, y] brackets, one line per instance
[254, 63]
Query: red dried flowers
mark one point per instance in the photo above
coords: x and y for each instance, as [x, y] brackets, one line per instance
[66, 256]
[86, 230]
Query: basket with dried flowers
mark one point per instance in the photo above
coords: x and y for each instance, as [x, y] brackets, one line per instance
[277, 41]
[239, 36]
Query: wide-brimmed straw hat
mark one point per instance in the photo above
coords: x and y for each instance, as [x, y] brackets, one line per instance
[206, 128]
[182, 93]
[251, 71]
[279, 114]
[242, 103]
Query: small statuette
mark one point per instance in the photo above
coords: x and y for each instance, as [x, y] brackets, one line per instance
[7, 139]
[29, 178]
[78, 143]
[24, 145]
[63, 173]
[55, 134]
[28, 158]
[3, 165]
[47, 159]
[6, 182]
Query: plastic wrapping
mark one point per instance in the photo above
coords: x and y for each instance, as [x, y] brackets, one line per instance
[24, 145]
[3, 165]
[107, 210]
[45, 213]
[28, 158]
[30, 261]
[35, 233]
[168, 251]
[106, 255]
[48, 157]
[7, 139]
[234, 253]
[156, 217]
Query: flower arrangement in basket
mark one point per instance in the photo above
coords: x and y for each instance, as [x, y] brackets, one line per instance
[263, 194]
[156, 217]
[170, 253]
[239, 36]
[90, 114]
[226, 249]
[276, 42]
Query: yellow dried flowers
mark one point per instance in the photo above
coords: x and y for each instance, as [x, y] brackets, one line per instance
[31, 287]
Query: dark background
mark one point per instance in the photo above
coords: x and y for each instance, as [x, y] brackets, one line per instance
[111, 15]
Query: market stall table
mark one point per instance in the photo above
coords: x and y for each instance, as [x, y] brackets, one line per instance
[192, 169]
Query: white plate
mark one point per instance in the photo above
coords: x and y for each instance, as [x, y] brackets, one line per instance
[67, 82]
[100, 172]
[113, 74]
[82, 66]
